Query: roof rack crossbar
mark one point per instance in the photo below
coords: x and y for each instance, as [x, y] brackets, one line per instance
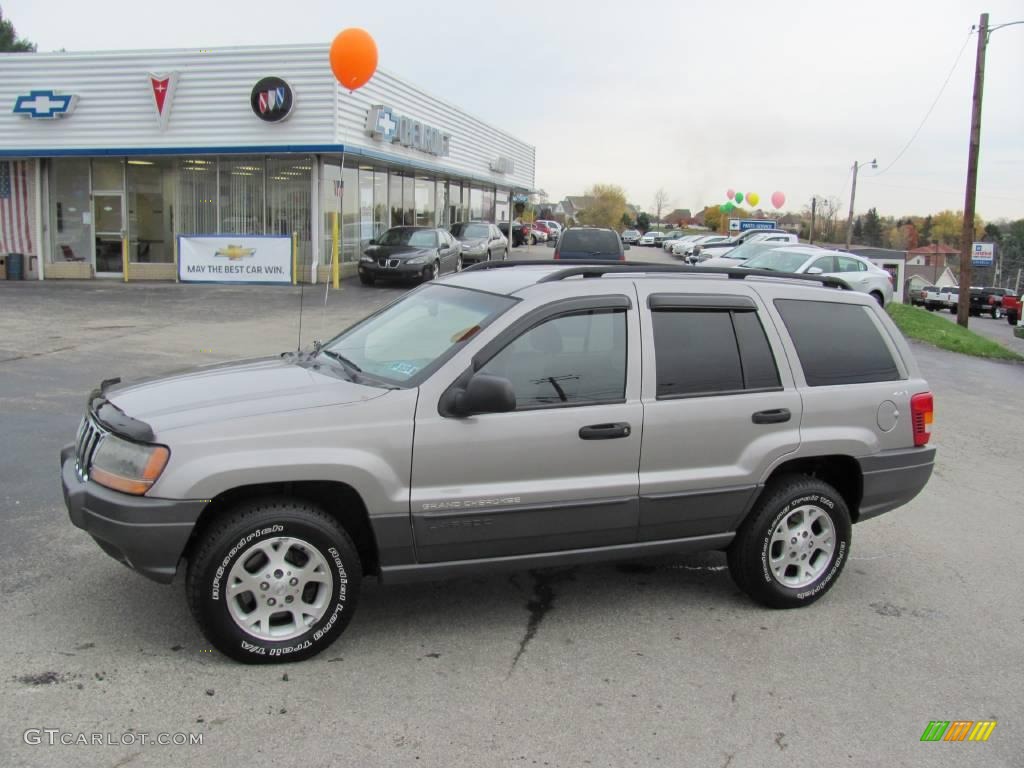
[587, 268]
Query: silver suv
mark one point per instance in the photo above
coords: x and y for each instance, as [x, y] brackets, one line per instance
[514, 415]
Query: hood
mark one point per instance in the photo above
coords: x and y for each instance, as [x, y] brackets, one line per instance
[396, 251]
[235, 390]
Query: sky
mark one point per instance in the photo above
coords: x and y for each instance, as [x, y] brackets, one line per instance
[695, 98]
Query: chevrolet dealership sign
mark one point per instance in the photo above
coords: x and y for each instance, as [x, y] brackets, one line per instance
[384, 125]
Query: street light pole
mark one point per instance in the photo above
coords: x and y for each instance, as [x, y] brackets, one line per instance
[853, 194]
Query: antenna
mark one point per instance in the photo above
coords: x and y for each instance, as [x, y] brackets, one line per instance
[302, 291]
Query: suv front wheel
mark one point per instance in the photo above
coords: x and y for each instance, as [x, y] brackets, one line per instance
[794, 544]
[277, 580]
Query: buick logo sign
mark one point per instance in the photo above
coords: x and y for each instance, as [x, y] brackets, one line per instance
[272, 99]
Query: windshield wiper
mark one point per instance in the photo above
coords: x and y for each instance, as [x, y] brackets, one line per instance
[351, 368]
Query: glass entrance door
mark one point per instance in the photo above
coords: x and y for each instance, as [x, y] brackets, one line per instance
[108, 226]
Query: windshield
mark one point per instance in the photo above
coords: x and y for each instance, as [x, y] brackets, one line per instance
[471, 231]
[749, 250]
[413, 333]
[417, 238]
[779, 260]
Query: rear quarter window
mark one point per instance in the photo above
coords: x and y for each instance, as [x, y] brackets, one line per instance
[837, 343]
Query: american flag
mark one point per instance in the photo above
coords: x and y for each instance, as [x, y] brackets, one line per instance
[15, 208]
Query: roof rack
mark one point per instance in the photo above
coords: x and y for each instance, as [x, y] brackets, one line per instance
[596, 268]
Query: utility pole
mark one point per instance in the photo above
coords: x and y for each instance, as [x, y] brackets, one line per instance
[853, 194]
[967, 233]
[814, 205]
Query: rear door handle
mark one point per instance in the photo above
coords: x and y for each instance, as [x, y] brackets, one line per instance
[777, 416]
[605, 431]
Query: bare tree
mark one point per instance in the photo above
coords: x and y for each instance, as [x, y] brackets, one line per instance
[826, 220]
[661, 202]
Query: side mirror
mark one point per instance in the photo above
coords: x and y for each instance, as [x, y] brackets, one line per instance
[551, 243]
[372, 242]
[815, 271]
[485, 394]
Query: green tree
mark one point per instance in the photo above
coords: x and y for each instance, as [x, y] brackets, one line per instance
[948, 225]
[9, 41]
[872, 228]
[993, 233]
[609, 203]
[626, 222]
[858, 230]
[925, 231]
[643, 222]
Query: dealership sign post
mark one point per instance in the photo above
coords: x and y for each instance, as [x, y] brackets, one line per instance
[983, 254]
[235, 259]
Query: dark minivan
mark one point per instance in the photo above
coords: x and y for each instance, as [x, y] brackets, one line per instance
[589, 243]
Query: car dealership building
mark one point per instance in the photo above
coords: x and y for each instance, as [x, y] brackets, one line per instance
[114, 159]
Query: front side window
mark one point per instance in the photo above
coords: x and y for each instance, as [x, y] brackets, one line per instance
[837, 343]
[575, 359]
[825, 264]
[412, 334]
[702, 352]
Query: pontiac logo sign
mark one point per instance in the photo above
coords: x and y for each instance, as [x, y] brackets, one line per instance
[271, 99]
[234, 252]
[384, 125]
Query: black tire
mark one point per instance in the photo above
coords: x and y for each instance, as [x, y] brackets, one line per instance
[488, 256]
[953, 309]
[232, 539]
[1011, 316]
[750, 553]
[878, 297]
[366, 280]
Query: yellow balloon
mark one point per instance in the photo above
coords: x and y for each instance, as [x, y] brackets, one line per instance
[752, 198]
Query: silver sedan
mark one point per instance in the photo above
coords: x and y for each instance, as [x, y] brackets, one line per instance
[856, 271]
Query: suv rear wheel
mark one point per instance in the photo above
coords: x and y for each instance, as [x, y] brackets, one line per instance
[277, 580]
[793, 545]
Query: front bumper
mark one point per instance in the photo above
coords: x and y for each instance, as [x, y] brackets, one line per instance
[148, 535]
[403, 270]
[893, 478]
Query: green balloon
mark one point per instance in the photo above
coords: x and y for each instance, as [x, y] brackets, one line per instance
[724, 207]
[739, 198]
[729, 207]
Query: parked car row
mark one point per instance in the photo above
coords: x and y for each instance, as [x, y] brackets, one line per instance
[992, 301]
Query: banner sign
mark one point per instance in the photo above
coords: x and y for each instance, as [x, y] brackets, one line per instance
[983, 254]
[235, 259]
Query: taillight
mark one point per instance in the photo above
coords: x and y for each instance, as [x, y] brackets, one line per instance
[556, 254]
[922, 409]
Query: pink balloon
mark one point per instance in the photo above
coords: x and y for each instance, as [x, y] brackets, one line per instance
[730, 193]
[778, 199]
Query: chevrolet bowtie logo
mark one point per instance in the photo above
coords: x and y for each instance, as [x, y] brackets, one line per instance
[235, 252]
[45, 104]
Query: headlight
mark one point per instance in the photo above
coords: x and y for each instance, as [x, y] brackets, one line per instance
[417, 260]
[127, 467]
[366, 259]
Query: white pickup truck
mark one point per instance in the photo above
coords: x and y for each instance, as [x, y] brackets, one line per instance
[941, 298]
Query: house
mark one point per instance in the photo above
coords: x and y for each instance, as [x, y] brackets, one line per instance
[574, 205]
[935, 255]
[680, 216]
[918, 276]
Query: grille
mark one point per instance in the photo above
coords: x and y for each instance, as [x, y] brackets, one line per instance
[388, 263]
[89, 436]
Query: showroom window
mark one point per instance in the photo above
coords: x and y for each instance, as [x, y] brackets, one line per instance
[837, 343]
[241, 196]
[288, 201]
[425, 198]
[70, 215]
[152, 191]
[197, 196]
[476, 204]
[350, 214]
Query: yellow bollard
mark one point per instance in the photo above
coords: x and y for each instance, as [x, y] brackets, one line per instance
[336, 245]
[124, 256]
[295, 257]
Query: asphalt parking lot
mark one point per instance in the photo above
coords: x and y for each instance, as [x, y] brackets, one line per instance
[660, 662]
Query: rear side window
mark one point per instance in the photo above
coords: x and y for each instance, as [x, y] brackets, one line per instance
[837, 343]
[708, 352]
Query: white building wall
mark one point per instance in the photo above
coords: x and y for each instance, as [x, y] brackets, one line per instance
[211, 109]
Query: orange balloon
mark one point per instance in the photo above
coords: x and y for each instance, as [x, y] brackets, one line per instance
[353, 57]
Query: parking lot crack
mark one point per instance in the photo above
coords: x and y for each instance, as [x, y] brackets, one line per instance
[539, 605]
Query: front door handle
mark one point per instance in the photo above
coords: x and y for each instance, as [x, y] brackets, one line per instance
[777, 416]
[605, 431]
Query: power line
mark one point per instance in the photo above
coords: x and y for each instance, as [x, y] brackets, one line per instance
[930, 109]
